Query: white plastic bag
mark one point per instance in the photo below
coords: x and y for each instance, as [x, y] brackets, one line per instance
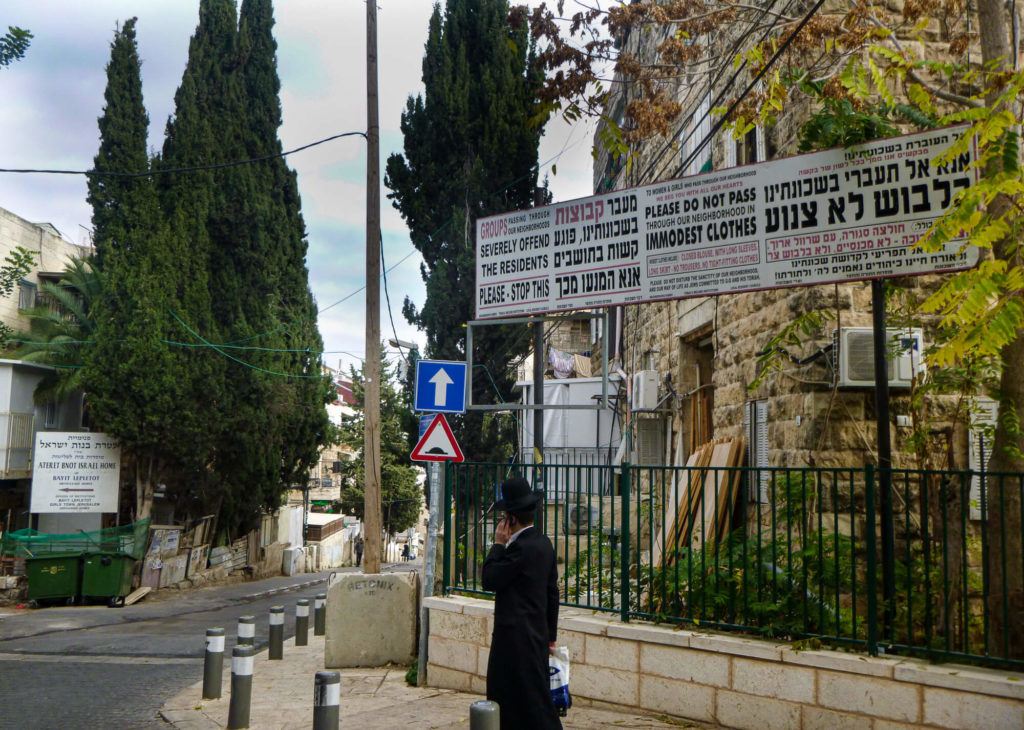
[558, 670]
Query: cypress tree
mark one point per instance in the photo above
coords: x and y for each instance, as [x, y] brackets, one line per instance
[470, 151]
[301, 420]
[192, 139]
[129, 372]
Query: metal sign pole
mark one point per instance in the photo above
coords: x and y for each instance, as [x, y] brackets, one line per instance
[434, 479]
[884, 455]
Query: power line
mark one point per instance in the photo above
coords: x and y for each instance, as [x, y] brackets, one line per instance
[172, 170]
[412, 253]
[721, 94]
[753, 82]
[237, 360]
[387, 297]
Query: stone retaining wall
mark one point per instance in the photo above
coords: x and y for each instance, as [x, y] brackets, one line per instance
[734, 681]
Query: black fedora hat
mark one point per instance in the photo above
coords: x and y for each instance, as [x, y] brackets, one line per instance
[516, 495]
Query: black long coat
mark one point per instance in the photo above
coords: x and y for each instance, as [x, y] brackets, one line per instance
[524, 579]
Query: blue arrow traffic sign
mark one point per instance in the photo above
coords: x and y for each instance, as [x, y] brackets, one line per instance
[440, 386]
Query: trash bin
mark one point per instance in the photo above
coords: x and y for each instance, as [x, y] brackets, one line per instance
[107, 575]
[53, 577]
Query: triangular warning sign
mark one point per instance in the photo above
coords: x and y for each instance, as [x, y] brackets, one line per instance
[437, 443]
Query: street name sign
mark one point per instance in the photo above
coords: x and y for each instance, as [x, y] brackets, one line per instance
[75, 472]
[440, 386]
[437, 443]
[821, 218]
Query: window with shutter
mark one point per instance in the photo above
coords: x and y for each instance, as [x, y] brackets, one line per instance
[755, 427]
[26, 294]
[697, 129]
[983, 422]
[730, 151]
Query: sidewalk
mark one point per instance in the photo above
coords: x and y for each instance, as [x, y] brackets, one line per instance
[282, 699]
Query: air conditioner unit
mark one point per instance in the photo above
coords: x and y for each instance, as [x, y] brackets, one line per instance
[854, 353]
[649, 446]
[645, 390]
[581, 518]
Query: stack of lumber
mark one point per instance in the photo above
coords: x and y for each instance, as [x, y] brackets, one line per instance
[700, 504]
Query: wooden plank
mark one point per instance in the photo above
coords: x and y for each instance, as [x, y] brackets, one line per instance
[690, 500]
[670, 500]
[714, 489]
[137, 595]
[730, 488]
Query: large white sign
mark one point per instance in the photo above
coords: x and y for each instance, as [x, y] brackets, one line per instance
[75, 472]
[839, 215]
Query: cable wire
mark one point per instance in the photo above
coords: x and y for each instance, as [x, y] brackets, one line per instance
[387, 297]
[172, 170]
[721, 94]
[753, 82]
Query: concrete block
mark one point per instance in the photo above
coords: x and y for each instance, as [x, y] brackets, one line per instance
[735, 645]
[891, 725]
[685, 664]
[478, 685]
[371, 620]
[842, 662]
[681, 699]
[457, 626]
[614, 653]
[650, 634]
[452, 654]
[292, 561]
[444, 678]
[965, 711]
[773, 679]
[741, 711]
[815, 718]
[483, 653]
[584, 624]
[488, 629]
[967, 679]
[609, 685]
[447, 605]
[478, 607]
[576, 644]
[870, 696]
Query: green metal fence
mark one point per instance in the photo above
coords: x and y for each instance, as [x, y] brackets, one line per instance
[787, 553]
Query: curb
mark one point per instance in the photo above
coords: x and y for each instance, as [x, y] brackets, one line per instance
[284, 589]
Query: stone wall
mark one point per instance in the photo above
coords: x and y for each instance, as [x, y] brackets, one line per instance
[733, 681]
[810, 423]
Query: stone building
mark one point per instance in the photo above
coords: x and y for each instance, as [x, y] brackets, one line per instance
[21, 417]
[705, 350]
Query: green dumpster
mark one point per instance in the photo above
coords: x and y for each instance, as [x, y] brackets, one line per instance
[53, 577]
[107, 575]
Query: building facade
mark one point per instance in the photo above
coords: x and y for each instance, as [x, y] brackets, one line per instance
[21, 417]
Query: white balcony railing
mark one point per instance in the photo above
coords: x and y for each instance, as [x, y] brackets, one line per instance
[16, 440]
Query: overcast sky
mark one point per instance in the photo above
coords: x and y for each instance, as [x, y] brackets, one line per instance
[52, 98]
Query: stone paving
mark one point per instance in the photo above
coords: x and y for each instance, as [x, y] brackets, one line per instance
[282, 699]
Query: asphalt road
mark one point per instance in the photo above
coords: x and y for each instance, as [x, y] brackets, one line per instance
[99, 667]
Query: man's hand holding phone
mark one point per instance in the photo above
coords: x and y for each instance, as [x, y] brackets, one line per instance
[503, 531]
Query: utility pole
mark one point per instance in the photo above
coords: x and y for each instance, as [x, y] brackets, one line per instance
[538, 400]
[371, 367]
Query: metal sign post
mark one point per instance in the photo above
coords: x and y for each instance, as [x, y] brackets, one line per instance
[884, 456]
[434, 483]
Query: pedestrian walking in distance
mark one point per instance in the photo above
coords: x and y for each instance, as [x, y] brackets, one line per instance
[405, 552]
[520, 569]
[359, 550]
